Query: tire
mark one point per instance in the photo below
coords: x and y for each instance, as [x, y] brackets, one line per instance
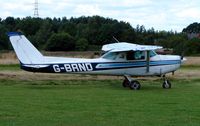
[135, 85]
[125, 83]
[166, 84]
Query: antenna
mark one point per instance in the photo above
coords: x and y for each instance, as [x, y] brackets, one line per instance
[115, 39]
[36, 13]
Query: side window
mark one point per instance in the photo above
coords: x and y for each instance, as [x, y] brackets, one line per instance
[139, 55]
[121, 56]
[135, 55]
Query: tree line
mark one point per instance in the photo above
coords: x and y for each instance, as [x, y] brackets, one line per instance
[90, 33]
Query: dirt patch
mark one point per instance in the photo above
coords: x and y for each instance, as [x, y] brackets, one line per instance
[23, 75]
[8, 58]
[11, 58]
[187, 73]
[192, 61]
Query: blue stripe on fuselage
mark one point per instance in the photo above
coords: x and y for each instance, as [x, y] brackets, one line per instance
[136, 64]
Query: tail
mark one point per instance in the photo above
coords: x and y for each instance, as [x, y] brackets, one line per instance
[25, 51]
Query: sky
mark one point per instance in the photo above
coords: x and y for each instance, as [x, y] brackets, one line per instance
[160, 14]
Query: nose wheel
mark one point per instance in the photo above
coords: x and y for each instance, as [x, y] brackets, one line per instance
[166, 84]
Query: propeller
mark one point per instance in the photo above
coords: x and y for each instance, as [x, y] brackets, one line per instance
[182, 57]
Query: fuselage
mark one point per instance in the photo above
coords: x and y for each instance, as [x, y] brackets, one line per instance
[158, 65]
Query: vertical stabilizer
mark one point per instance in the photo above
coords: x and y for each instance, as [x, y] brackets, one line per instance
[25, 51]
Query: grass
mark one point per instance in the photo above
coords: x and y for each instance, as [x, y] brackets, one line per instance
[191, 67]
[13, 67]
[60, 102]
[82, 102]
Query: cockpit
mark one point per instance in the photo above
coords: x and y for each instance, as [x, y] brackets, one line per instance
[129, 55]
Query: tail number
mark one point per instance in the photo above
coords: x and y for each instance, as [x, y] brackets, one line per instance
[73, 67]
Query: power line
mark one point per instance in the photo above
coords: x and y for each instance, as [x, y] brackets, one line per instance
[36, 12]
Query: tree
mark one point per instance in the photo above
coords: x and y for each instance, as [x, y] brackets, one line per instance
[192, 28]
[60, 42]
[10, 23]
[90, 32]
[43, 34]
[29, 25]
[176, 42]
[82, 44]
[193, 46]
[68, 27]
[4, 45]
[129, 35]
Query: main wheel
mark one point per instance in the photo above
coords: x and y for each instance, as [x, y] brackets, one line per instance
[135, 85]
[166, 84]
[125, 83]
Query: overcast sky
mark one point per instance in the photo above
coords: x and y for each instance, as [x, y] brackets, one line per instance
[160, 14]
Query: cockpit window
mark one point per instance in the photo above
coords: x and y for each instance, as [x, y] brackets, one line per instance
[130, 55]
[152, 53]
[135, 55]
[110, 55]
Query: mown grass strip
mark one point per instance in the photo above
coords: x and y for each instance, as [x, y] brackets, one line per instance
[82, 102]
[191, 67]
[9, 67]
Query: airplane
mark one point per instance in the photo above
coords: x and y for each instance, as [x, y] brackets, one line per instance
[122, 59]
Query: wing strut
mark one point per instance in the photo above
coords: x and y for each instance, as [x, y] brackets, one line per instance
[148, 60]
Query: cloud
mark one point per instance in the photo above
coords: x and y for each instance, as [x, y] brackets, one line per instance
[124, 3]
[20, 6]
[189, 13]
[162, 15]
[86, 9]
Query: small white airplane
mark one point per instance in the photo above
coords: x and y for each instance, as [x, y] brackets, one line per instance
[121, 58]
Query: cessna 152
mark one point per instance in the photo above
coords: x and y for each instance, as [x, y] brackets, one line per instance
[121, 58]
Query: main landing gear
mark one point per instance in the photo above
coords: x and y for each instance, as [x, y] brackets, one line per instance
[135, 85]
[132, 84]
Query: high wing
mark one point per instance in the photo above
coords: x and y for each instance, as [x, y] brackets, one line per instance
[124, 46]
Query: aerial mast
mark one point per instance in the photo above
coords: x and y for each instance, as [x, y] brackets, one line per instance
[36, 12]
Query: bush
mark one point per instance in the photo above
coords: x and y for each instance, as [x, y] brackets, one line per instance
[60, 42]
[193, 46]
[82, 44]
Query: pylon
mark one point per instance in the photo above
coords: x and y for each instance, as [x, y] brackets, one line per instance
[36, 13]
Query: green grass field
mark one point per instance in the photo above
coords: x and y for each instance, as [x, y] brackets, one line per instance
[100, 102]
[12, 67]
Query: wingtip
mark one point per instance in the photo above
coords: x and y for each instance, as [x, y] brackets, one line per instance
[14, 34]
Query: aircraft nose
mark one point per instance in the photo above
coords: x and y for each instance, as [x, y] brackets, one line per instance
[183, 59]
[179, 58]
